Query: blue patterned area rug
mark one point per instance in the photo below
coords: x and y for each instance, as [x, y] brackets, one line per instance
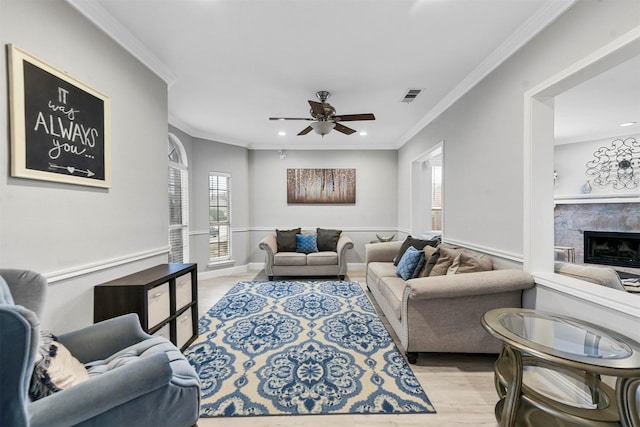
[300, 347]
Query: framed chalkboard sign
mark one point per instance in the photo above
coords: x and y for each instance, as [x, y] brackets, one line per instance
[60, 127]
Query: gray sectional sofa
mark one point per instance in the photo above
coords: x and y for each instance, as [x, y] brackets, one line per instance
[329, 260]
[442, 313]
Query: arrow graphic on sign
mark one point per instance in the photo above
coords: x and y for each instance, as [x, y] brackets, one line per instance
[72, 169]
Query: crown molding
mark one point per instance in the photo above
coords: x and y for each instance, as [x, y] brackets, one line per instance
[94, 12]
[97, 14]
[534, 25]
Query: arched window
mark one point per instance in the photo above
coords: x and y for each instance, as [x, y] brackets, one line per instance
[178, 201]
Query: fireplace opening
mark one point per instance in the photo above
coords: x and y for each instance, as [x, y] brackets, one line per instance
[612, 248]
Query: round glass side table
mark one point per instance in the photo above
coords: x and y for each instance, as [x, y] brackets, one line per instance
[548, 373]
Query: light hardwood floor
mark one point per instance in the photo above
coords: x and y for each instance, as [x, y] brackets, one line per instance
[459, 386]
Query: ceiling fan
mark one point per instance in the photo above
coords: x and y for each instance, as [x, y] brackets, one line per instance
[324, 117]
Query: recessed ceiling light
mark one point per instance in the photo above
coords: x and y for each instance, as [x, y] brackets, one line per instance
[627, 124]
[363, 133]
[282, 133]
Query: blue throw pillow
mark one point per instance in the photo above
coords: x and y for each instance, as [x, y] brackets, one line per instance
[410, 263]
[306, 243]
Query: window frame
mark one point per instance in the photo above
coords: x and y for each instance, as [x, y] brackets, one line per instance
[182, 167]
[218, 224]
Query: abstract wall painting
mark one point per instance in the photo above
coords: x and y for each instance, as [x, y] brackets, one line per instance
[321, 185]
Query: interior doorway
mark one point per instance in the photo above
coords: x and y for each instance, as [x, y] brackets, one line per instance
[427, 195]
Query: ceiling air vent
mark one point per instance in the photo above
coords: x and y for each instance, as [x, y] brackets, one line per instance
[411, 95]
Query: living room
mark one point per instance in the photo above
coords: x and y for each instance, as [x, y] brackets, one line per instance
[79, 236]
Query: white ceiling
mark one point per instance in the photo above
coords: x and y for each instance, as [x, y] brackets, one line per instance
[596, 108]
[232, 64]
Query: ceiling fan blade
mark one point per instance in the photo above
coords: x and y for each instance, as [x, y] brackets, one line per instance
[289, 118]
[317, 107]
[354, 117]
[305, 131]
[344, 129]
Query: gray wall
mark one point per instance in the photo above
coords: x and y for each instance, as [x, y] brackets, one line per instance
[259, 205]
[483, 131]
[374, 210]
[570, 162]
[483, 154]
[81, 236]
[210, 156]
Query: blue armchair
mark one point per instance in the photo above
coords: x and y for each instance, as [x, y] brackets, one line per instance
[134, 377]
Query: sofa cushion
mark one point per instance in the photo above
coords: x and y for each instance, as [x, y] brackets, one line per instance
[286, 240]
[55, 368]
[410, 263]
[412, 242]
[382, 269]
[604, 276]
[328, 239]
[392, 289]
[322, 258]
[445, 260]
[289, 258]
[135, 353]
[306, 243]
[468, 263]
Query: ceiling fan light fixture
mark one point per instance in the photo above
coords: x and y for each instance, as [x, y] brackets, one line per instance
[322, 127]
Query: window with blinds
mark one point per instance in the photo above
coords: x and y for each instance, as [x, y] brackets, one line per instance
[178, 206]
[219, 216]
[436, 198]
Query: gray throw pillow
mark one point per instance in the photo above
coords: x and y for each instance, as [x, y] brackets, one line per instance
[416, 243]
[430, 263]
[328, 239]
[286, 240]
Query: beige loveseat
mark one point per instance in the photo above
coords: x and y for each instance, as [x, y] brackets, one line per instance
[442, 313]
[321, 263]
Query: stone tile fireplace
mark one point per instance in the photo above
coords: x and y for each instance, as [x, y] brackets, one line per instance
[573, 219]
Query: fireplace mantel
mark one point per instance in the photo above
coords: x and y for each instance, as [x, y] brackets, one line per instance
[577, 199]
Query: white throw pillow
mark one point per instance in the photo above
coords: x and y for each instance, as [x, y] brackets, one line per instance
[55, 368]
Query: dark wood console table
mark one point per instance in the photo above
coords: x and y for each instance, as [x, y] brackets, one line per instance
[164, 297]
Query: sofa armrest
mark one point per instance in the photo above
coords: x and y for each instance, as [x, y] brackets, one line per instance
[100, 394]
[381, 252]
[101, 340]
[28, 288]
[344, 243]
[270, 245]
[467, 284]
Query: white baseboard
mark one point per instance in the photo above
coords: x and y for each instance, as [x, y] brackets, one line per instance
[209, 274]
[355, 266]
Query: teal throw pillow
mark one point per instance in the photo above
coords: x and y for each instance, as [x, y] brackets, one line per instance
[410, 263]
[306, 243]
